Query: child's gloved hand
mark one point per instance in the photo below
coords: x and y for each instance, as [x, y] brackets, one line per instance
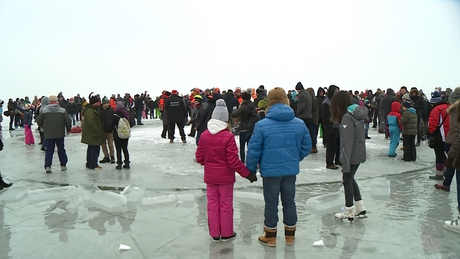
[252, 177]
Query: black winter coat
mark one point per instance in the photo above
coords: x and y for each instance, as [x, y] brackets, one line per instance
[231, 101]
[71, 108]
[176, 110]
[107, 118]
[244, 114]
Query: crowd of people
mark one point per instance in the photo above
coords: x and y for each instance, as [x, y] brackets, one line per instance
[276, 129]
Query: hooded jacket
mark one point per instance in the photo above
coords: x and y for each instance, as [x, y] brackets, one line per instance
[279, 142]
[437, 115]
[352, 137]
[54, 121]
[394, 117]
[409, 122]
[304, 105]
[454, 129]
[92, 132]
[218, 152]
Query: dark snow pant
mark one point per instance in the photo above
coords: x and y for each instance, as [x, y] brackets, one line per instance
[244, 138]
[50, 145]
[92, 154]
[171, 130]
[11, 121]
[121, 145]
[333, 147]
[410, 152]
[350, 186]
[310, 126]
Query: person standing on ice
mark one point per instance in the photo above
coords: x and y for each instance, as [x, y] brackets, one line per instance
[92, 131]
[352, 150]
[121, 145]
[218, 152]
[278, 143]
[394, 127]
[2, 183]
[55, 122]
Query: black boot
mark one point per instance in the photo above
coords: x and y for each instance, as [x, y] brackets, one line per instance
[119, 166]
[112, 160]
[105, 160]
[126, 166]
[3, 184]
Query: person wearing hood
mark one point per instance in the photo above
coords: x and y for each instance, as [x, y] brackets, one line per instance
[409, 123]
[278, 143]
[55, 122]
[386, 105]
[350, 117]
[320, 97]
[121, 145]
[394, 127]
[438, 128]
[331, 131]
[218, 153]
[92, 131]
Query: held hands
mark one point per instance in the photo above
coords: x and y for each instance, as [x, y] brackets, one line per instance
[252, 177]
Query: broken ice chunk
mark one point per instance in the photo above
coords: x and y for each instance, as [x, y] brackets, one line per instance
[133, 194]
[58, 194]
[124, 247]
[326, 203]
[14, 193]
[106, 199]
[159, 199]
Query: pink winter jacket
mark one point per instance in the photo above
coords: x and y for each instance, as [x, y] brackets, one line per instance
[218, 152]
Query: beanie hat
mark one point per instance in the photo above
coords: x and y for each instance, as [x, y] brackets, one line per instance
[260, 89]
[299, 86]
[246, 95]
[105, 100]
[435, 97]
[52, 99]
[220, 112]
[277, 95]
[455, 95]
[45, 101]
[262, 104]
[405, 97]
[93, 98]
[407, 104]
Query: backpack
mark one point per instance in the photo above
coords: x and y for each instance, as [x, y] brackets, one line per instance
[123, 128]
[255, 117]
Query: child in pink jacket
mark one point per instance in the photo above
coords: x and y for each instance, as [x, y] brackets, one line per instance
[218, 152]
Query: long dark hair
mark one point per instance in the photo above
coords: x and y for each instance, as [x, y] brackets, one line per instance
[339, 104]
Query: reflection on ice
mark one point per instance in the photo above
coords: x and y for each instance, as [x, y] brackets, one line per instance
[133, 194]
[246, 196]
[380, 189]
[107, 200]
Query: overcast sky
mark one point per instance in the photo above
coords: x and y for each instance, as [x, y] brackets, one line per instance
[131, 46]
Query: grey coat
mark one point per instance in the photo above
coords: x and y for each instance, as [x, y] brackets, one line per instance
[304, 105]
[352, 137]
[54, 121]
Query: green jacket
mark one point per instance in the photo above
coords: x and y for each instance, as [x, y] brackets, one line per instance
[409, 122]
[93, 130]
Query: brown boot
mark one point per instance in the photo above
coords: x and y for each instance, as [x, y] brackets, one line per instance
[269, 237]
[314, 150]
[289, 234]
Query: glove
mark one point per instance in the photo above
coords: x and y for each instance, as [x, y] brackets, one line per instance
[252, 177]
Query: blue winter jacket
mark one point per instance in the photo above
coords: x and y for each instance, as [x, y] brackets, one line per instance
[278, 143]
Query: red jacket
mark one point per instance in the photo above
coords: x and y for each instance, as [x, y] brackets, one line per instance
[437, 115]
[219, 155]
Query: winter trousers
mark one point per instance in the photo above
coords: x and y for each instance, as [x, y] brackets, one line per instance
[350, 186]
[92, 154]
[29, 136]
[273, 187]
[333, 147]
[121, 145]
[245, 136]
[50, 145]
[220, 209]
[394, 139]
[440, 149]
[311, 129]
[172, 130]
[448, 176]
[108, 140]
[410, 153]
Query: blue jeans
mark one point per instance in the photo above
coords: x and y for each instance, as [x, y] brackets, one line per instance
[272, 187]
[92, 154]
[72, 119]
[244, 139]
[139, 117]
[50, 144]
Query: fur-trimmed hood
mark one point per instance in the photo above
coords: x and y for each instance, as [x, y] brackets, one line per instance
[453, 106]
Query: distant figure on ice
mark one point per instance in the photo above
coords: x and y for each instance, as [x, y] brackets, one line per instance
[92, 131]
[394, 127]
[218, 152]
[278, 143]
[121, 144]
[409, 123]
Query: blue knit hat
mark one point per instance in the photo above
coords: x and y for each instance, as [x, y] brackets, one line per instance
[435, 97]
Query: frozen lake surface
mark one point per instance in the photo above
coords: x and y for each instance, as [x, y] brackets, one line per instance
[158, 207]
